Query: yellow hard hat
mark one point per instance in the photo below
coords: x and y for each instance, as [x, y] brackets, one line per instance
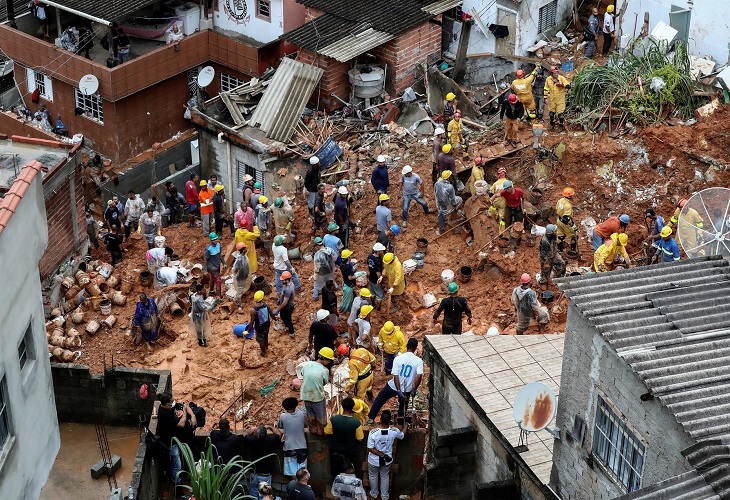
[258, 296]
[365, 310]
[383, 197]
[623, 238]
[388, 258]
[388, 327]
[446, 174]
[203, 183]
[666, 231]
[346, 253]
[263, 199]
[365, 292]
[327, 353]
[446, 148]
[610, 9]
[450, 96]
[218, 187]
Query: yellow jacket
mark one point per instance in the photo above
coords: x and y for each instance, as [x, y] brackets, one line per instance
[477, 174]
[497, 186]
[523, 86]
[553, 91]
[394, 341]
[607, 252]
[396, 278]
[455, 134]
[563, 207]
[361, 415]
[249, 237]
[361, 362]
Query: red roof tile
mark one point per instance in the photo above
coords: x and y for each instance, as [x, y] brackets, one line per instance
[12, 199]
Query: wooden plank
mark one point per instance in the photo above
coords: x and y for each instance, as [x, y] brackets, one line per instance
[512, 57]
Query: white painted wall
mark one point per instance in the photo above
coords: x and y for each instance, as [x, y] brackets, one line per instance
[709, 31]
[240, 16]
[28, 460]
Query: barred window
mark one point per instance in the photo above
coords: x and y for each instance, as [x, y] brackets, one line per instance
[548, 14]
[263, 9]
[37, 80]
[229, 82]
[243, 169]
[91, 104]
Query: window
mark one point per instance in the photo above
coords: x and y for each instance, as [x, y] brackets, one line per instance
[4, 415]
[548, 13]
[37, 80]
[243, 169]
[229, 82]
[263, 9]
[91, 104]
[617, 447]
[25, 348]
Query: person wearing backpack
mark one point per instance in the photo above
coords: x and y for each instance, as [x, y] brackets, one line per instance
[590, 32]
[261, 321]
[525, 301]
[324, 266]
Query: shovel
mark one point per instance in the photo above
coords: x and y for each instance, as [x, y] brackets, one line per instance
[241, 362]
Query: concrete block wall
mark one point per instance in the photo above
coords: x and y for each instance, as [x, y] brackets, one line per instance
[452, 464]
[334, 79]
[591, 368]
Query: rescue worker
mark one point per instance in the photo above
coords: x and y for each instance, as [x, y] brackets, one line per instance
[453, 307]
[393, 271]
[550, 258]
[375, 273]
[394, 343]
[205, 196]
[242, 276]
[360, 383]
[412, 184]
[439, 136]
[348, 280]
[690, 230]
[324, 266]
[387, 237]
[383, 214]
[477, 174]
[605, 229]
[611, 252]
[565, 223]
[379, 178]
[247, 237]
[592, 29]
[342, 214]
[538, 92]
[248, 194]
[220, 216]
[668, 248]
[513, 198]
[283, 220]
[264, 223]
[525, 301]
[360, 333]
[363, 298]
[522, 86]
[446, 200]
[450, 106]
[319, 213]
[555, 87]
[445, 160]
[311, 182]
[498, 205]
[513, 110]
[654, 225]
[331, 239]
[455, 133]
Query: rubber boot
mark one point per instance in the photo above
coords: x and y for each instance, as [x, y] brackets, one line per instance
[561, 245]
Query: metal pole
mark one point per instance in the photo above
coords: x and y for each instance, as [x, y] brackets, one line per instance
[74, 11]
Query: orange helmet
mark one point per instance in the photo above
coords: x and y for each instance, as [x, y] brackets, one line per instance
[285, 275]
[525, 278]
[240, 246]
[478, 160]
[520, 73]
[343, 350]
[502, 170]
[682, 203]
[568, 192]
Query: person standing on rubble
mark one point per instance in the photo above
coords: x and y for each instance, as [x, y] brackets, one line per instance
[146, 321]
[285, 302]
[206, 206]
[455, 132]
[380, 454]
[383, 215]
[243, 235]
[668, 248]
[324, 266]
[394, 343]
[150, 225]
[654, 225]
[592, 28]
[315, 375]
[439, 136]
[513, 198]
[348, 280]
[477, 174]
[513, 110]
[605, 229]
[611, 252]
[244, 217]
[241, 273]
[525, 301]
[608, 29]
[282, 264]
[445, 161]
[263, 221]
[133, 210]
[690, 232]
[363, 298]
[538, 92]
[283, 220]
[379, 178]
[199, 317]
[406, 377]
[214, 263]
[342, 215]
[331, 240]
[522, 86]
[92, 228]
[393, 271]
[260, 321]
[361, 363]
[312, 182]
[555, 87]
[446, 200]
[113, 242]
[412, 185]
[498, 205]
[550, 258]
[175, 202]
[360, 332]
[454, 308]
[450, 106]
[346, 431]
[566, 227]
[375, 273]
[191, 198]
[319, 213]
[219, 212]
[387, 238]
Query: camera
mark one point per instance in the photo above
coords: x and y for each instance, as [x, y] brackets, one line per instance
[178, 406]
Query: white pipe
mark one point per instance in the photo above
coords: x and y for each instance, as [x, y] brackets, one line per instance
[230, 177]
[77, 12]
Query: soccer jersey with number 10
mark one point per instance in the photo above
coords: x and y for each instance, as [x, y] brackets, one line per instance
[406, 366]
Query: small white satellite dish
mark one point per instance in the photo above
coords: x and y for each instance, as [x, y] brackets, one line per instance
[535, 407]
[88, 85]
[206, 75]
[704, 223]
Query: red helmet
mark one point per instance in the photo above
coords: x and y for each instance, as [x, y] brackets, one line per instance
[343, 350]
[682, 203]
[285, 275]
[553, 69]
[525, 278]
[478, 160]
[457, 112]
[512, 99]
[520, 73]
[501, 170]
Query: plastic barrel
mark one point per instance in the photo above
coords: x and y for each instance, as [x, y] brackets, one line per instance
[239, 328]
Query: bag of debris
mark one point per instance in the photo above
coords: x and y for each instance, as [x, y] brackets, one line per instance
[657, 84]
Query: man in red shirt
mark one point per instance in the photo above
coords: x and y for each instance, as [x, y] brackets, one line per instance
[605, 229]
[513, 198]
[191, 197]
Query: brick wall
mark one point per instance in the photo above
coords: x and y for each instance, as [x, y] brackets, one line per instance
[334, 79]
[10, 125]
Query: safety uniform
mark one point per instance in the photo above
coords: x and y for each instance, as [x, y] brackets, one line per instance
[393, 272]
[603, 258]
[454, 132]
[477, 174]
[689, 232]
[393, 343]
[669, 250]
[523, 88]
[361, 372]
[566, 224]
[499, 204]
[550, 259]
[556, 93]
[243, 235]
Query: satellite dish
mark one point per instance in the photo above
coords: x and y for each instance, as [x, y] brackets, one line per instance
[710, 208]
[88, 85]
[205, 77]
[534, 407]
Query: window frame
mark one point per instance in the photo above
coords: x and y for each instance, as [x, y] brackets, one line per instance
[26, 350]
[612, 432]
[87, 103]
[258, 175]
[259, 3]
[550, 19]
[8, 440]
[32, 82]
[227, 81]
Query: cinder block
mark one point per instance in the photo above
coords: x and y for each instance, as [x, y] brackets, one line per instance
[99, 469]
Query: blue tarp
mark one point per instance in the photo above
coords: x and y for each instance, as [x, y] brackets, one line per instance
[328, 153]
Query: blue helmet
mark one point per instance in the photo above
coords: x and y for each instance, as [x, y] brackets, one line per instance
[624, 219]
[396, 229]
[507, 184]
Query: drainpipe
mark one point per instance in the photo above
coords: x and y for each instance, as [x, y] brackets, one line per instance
[230, 178]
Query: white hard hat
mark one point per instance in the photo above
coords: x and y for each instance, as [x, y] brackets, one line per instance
[342, 190]
[407, 170]
[439, 131]
[322, 314]
[381, 158]
[313, 160]
[378, 247]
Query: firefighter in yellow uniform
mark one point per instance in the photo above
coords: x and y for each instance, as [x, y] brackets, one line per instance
[499, 205]
[522, 87]
[454, 132]
[605, 257]
[361, 365]
[689, 232]
[477, 174]
[555, 87]
[566, 224]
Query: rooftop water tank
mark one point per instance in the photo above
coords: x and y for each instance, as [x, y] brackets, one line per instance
[367, 81]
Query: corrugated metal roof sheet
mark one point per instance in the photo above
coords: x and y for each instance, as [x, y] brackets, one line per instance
[21, 6]
[109, 10]
[284, 99]
[332, 32]
[671, 324]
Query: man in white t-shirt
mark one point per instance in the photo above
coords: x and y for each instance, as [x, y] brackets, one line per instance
[407, 375]
[608, 29]
[166, 276]
[282, 263]
[380, 454]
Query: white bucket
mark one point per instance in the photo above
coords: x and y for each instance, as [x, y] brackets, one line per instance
[429, 300]
[447, 276]
[409, 266]
[481, 187]
[160, 241]
[105, 270]
[538, 230]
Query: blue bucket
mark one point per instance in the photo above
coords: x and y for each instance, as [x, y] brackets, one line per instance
[239, 328]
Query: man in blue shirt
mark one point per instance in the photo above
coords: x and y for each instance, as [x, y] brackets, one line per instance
[668, 248]
[379, 179]
[411, 183]
[654, 225]
[383, 215]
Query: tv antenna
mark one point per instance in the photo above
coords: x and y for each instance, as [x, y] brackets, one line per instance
[534, 408]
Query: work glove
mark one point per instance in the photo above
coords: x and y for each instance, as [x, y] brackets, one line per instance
[390, 290]
[400, 395]
[574, 228]
[288, 227]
